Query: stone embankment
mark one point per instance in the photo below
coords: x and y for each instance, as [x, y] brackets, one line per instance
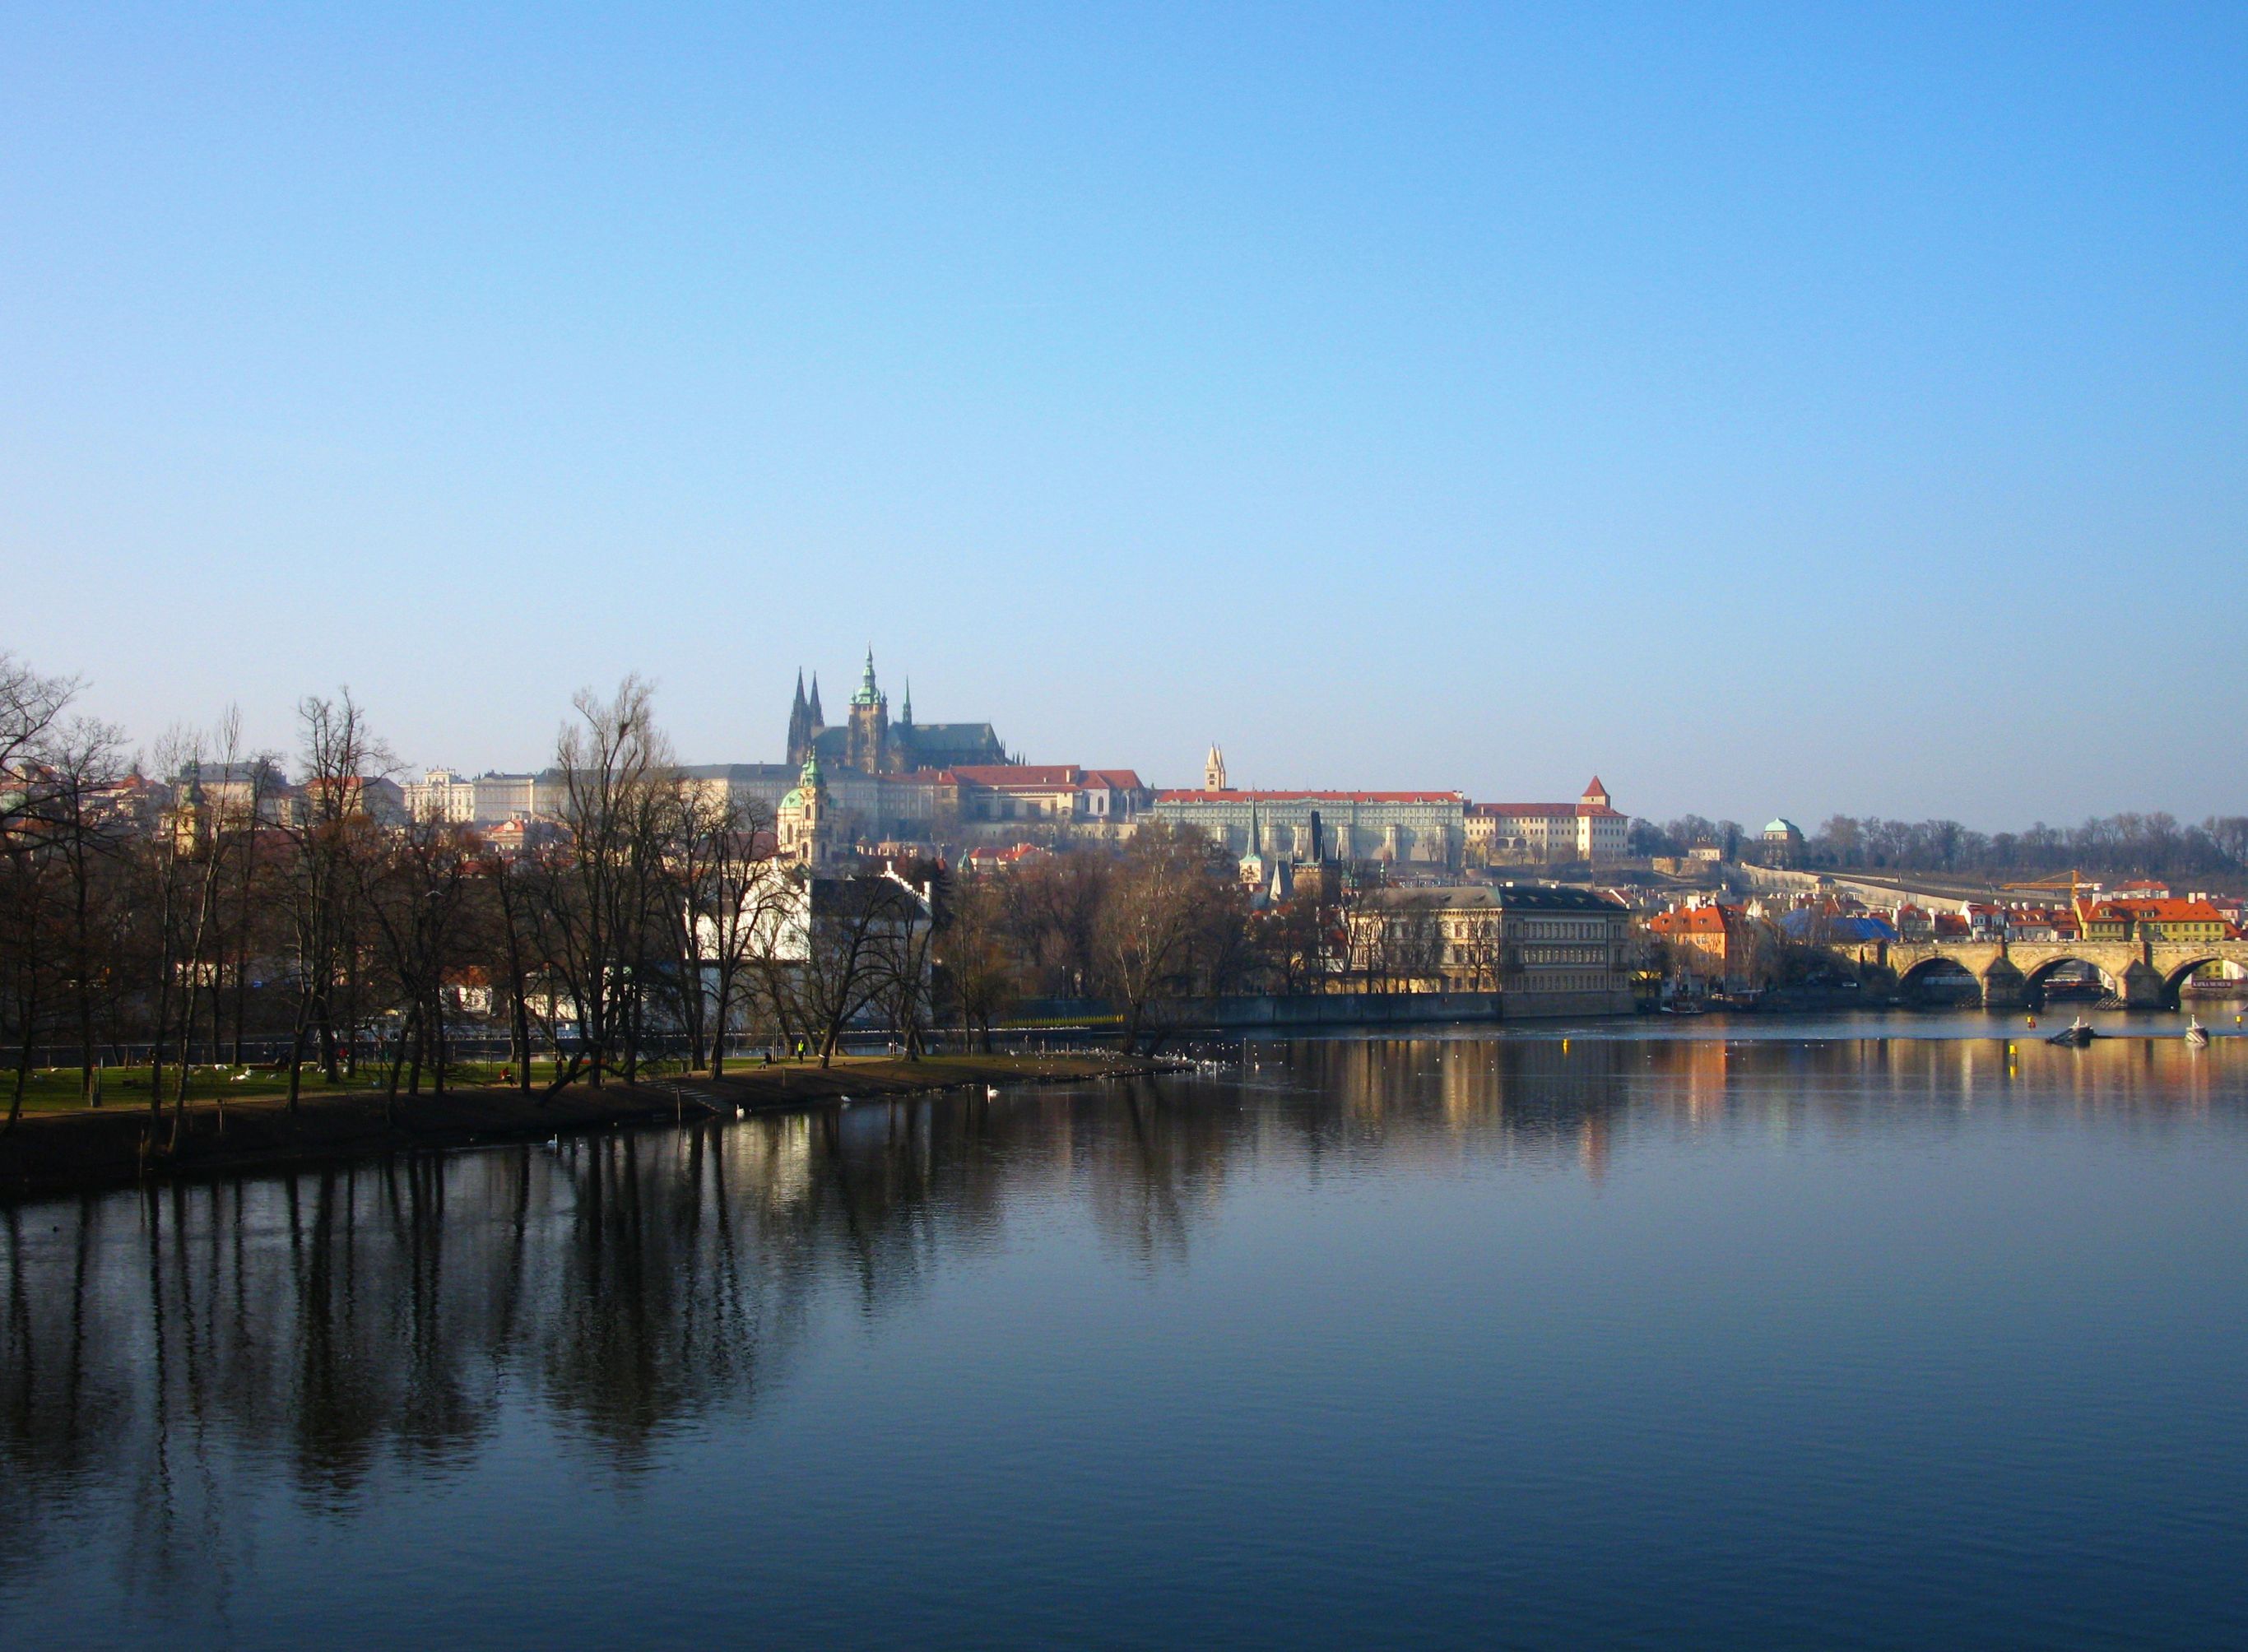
[91, 1149]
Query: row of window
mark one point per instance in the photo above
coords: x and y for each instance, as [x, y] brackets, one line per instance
[1573, 983]
[1568, 930]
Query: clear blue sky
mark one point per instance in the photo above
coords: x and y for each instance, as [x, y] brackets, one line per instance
[1795, 409]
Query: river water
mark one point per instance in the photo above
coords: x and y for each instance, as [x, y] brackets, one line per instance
[1865, 1332]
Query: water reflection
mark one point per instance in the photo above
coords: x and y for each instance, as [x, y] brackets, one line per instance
[168, 1359]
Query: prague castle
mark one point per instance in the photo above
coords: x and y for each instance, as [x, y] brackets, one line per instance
[867, 741]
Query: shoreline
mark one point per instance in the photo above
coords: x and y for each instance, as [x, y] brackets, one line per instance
[91, 1150]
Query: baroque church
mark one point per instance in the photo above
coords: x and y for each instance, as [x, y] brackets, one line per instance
[868, 742]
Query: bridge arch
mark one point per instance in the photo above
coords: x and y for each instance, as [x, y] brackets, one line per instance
[2174, 979]
[2033, 980]
[1924, 973]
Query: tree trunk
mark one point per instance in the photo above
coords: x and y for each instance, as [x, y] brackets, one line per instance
[437, 1044]
[397, 1063]
[89, 1086]
[632, 1032]
[351, 1010]
[23, 1064]
[718, 1023]
[296, 1052]
[187, 1057]
[156, 1032]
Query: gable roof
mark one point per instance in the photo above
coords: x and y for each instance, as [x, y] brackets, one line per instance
[1715, 919]
[2159, 911]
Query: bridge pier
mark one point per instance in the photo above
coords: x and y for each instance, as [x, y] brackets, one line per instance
[2003, 987]
[2141, 987]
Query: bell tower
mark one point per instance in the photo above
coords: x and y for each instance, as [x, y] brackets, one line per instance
[867, 741]
[1213, 771]
[803, 832]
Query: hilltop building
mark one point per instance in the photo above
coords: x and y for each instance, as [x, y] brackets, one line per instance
[867, 741]
[1403, 828]
[489, 799]
[1055, 794]
[1783, 842]
[1588, 830]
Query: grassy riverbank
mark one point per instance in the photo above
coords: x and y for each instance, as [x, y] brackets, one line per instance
[75, 1149]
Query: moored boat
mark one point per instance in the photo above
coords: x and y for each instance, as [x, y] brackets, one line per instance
[2075, 1035]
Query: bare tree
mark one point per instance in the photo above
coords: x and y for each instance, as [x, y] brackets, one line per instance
[502, 901]
[203, 830]
[1149, 920]
[1052, 909]
[31, 705]
[1397, 940]
[30, 887]
[82, 764]
[743, 898]
[327, 837]
[845, 939]
[249, 892]
[905, 958]
[977, 963]
[414, 893]
[596, 894]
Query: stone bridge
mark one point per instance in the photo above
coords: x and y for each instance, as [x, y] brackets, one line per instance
[2011, 973]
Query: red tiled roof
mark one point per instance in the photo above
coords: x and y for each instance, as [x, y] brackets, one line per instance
[1307, 796]
[1013, 854]
[1020, 776]
[1709, 919]
[2159, 911]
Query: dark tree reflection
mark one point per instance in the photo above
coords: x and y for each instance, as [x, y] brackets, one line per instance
[168, 1356]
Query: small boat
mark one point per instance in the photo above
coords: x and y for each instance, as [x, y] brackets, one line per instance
[1683, 1006]
[2197, 1036]
[2075, 1035]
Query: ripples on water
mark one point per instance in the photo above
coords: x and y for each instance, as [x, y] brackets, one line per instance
[1805, 1338]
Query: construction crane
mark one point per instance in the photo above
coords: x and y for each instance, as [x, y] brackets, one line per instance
[2074, 883]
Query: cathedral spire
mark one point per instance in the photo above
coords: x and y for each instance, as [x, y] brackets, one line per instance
[905, 711]
[800, 720]
[818, 721]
